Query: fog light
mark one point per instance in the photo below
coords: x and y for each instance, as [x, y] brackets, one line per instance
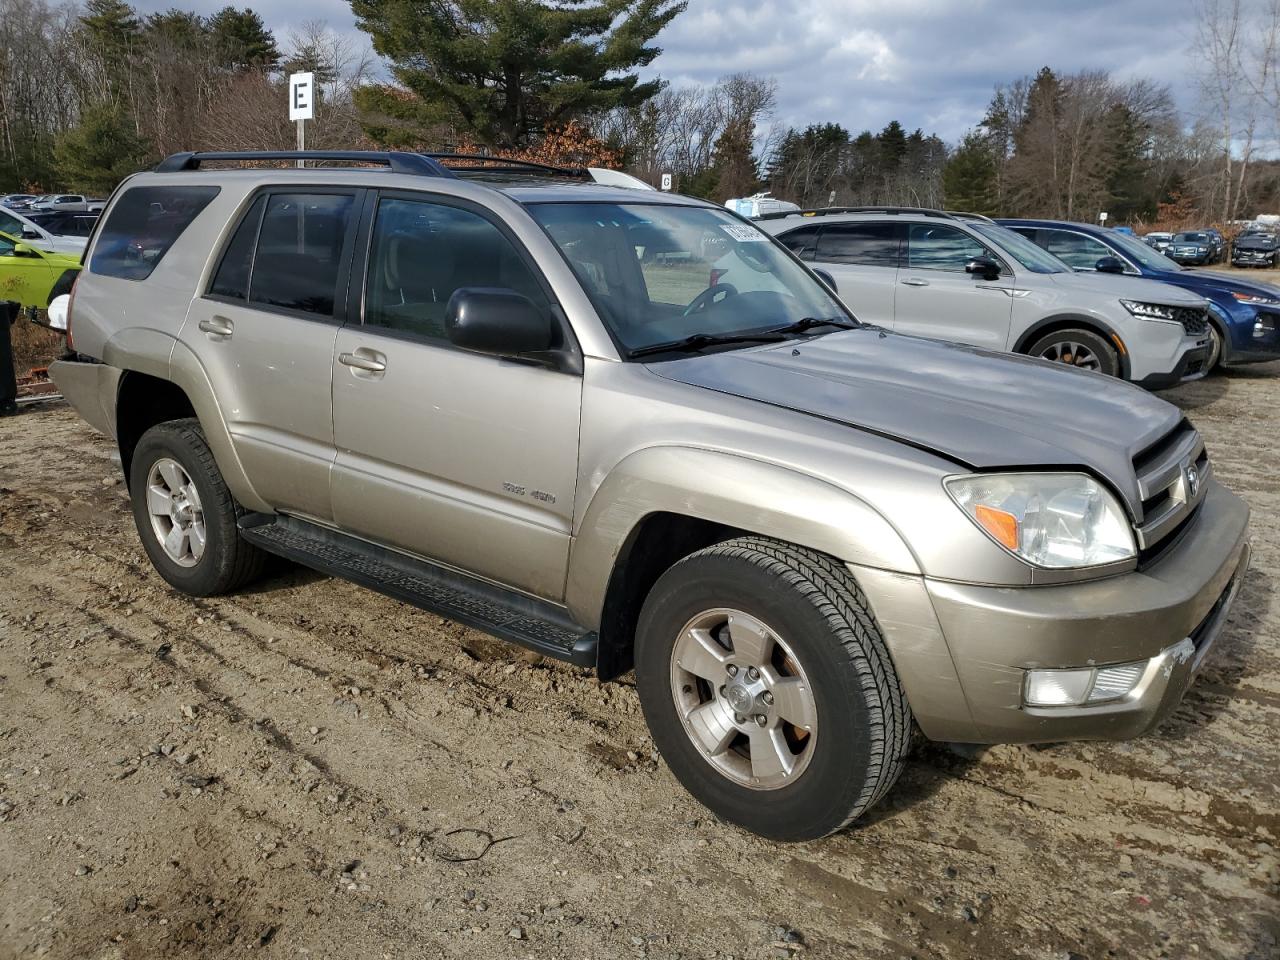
[1078, 686]
[1114, 682]
[1057, 688]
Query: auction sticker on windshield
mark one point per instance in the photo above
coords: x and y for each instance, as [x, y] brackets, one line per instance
[743, 233]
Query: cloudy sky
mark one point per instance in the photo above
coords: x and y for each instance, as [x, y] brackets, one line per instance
[928, 63]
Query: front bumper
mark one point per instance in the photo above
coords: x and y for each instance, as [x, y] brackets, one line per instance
[1190, 366]
[962, 650]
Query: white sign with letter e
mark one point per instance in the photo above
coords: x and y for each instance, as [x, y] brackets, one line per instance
[301, 102]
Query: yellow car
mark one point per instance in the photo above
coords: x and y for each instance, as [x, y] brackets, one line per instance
[33, 277]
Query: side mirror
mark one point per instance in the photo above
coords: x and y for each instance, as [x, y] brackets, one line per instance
[22, 250]
[497, 321]
[1109, 265]
[29, 234]
[828, 279]
[983, 267]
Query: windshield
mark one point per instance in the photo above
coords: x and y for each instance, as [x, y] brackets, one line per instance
[1191, 238]
[1034, 258]
[658, 273]
[1146, 255]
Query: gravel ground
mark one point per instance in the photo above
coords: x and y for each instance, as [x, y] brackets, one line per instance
[309, 769]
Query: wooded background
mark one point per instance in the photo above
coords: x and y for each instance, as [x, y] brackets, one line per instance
[92, 91]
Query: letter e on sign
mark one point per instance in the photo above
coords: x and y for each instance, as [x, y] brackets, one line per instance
[301, 102]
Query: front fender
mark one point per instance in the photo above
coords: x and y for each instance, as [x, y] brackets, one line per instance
[736, 491]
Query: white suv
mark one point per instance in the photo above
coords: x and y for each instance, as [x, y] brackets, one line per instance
[965, 278]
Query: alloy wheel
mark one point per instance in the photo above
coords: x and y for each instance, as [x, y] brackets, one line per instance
[1072, 353]
[743, 699]
[177, 519]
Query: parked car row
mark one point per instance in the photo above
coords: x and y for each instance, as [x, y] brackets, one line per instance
[52, 202]
[645, 436]
[52, 232]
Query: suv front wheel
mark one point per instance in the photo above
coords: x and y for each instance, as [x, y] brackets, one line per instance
[185, 514]
[768, 688]
[1078, 348]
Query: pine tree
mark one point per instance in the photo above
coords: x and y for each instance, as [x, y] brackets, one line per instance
[504, 70]
[100, 151]
[969, 178]
[242, 41]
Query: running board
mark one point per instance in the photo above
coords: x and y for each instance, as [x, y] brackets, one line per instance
[508, 615]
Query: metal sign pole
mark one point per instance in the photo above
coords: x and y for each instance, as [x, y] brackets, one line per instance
[302, 140]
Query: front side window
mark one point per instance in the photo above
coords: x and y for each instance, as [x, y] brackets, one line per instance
[423, 252]
[143, 224]
[864, 244]
[801, 242]
[938, 247]
[659, 273]
[297, 264]
[1075, 249]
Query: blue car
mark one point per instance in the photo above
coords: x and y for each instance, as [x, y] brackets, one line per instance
[1245, 313]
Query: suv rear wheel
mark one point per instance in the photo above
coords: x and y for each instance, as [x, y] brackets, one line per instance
[768, 688]
[185, 514]
[1079, 348]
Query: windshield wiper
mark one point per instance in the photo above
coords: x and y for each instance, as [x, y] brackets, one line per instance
[700, 341]
[809, 323]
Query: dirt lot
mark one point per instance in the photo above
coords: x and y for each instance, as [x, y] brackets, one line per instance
[308, 769]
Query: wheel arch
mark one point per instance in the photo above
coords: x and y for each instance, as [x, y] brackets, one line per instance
[644, 517]
[168, 384]
[1069, 321]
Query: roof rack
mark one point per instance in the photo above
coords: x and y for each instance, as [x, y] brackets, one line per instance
[396, 161]
[829, 211]
[491, 164]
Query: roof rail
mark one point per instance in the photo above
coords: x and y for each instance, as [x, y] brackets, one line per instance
[492, 164]
[829, 211]
[963, 215]
[396, 161]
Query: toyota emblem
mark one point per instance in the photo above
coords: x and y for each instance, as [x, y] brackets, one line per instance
[1193, 482]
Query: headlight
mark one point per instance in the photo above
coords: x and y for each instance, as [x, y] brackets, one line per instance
[1149, 311]
[1257, 300]
[1053, 520]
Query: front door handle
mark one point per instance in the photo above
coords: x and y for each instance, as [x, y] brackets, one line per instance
[915, 282]
[361, 362]
[217, 326]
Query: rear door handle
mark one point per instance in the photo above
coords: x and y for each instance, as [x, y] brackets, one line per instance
[217, 326]
[361, 362]
[915, 282]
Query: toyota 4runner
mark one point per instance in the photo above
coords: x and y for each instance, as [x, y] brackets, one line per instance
[524, 401]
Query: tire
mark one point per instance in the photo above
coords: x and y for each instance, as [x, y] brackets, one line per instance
[820, 631]
[1063, 346]
[1215, 350]
[224, 561]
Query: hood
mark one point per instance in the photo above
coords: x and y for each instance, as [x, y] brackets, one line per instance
[1129, 288]
[983, 410]
[1257, 243]
[1210, 282]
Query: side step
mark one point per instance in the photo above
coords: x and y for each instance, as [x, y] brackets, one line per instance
[515, 617]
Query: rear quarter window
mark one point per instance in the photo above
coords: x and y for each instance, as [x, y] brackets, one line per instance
[142, 226]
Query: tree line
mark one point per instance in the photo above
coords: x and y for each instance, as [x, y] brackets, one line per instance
[92, 90]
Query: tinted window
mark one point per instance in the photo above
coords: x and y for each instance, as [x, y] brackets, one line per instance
[869, 244]
[232, 278]
[1076, 249]
[801, 242]
[298, 260]
[142, 226]
[423, 252]
[10, 224]
[933, 247]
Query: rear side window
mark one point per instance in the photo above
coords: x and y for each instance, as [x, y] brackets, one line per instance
[297, 263]
[232, 278]
[142, 226]
[866, 244]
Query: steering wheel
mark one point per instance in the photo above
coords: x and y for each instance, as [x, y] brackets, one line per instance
[707, 297]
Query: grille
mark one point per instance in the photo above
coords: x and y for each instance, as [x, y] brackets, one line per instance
[1173, 474]
[1194, 321]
